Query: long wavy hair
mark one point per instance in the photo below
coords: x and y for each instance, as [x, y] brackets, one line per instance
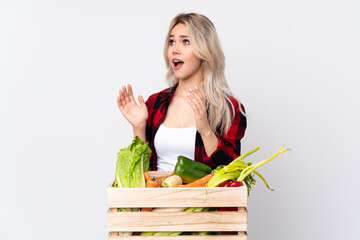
[206, 46]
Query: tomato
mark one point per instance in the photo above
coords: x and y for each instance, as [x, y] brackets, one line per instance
[236, 184]
[225, 184]
[225, 209]
[228, 184]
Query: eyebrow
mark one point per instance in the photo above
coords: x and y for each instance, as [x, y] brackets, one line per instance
[181, 36]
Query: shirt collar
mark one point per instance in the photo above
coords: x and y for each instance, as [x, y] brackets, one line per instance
[169, 94]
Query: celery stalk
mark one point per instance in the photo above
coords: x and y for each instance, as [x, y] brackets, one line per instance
[251, 168]
[241, 171]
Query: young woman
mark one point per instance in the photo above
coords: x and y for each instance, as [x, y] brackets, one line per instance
[197, 116]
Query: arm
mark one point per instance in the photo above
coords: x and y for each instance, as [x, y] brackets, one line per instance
[197, 103]
[210, 141]
[211, 148]
[140, 132]
[229, 144]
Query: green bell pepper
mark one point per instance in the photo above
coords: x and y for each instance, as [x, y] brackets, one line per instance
[190, 170]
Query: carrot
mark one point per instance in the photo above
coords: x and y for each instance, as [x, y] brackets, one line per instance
[147, 176]
[200, 182]
[146, 209]
[152, 182]
[159, 179]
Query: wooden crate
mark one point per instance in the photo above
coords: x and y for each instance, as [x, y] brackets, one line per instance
[220, 222]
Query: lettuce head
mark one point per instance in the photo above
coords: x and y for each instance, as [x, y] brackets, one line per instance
[131, 164]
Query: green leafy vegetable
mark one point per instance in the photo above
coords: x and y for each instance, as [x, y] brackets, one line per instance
[241, 171]
[131, 164]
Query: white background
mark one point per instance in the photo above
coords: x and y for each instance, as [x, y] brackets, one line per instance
[294, 65]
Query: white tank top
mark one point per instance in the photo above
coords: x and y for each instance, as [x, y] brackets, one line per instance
[172, 142]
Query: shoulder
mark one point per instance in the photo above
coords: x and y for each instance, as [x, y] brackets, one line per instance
[239, 117]
[157, 97]
[158, 94]
[237, 105]
[234, 101]
[239, 121]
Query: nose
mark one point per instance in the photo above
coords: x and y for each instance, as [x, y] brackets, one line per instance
[175, 50]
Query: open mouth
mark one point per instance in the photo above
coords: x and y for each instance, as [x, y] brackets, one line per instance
[177, 64]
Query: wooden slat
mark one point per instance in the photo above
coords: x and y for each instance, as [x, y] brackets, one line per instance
[113, 235]
[241, 236]
[177, 197]
[152, 174]
[177, 221]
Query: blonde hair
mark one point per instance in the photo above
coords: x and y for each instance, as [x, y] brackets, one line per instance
[206, 47]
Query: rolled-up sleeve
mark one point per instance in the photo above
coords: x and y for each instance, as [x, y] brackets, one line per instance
[229, 146]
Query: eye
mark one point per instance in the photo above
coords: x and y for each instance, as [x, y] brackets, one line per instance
[186, 42]
[171, 42]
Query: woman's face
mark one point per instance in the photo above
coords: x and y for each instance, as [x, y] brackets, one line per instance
[181, 56]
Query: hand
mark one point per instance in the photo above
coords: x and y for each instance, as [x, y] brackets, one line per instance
[136, 115]
[197, 103]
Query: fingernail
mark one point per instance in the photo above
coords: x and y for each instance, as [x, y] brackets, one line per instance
[190, 89]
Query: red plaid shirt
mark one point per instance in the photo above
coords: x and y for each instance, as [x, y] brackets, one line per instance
[229, 144]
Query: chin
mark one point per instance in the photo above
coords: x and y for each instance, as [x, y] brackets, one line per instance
[178, 76]
[181, 76]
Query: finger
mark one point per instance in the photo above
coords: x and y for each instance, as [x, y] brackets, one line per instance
[192, 105]
[201, 101]
[192, 102]
[195, 101]
[199, 96]
[119, 104]
[200, 93]
[126, 96]
[122, 98]
[141, 101]
[131, 95]
[118, 101]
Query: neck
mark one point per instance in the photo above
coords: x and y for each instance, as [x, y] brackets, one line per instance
[186, 84]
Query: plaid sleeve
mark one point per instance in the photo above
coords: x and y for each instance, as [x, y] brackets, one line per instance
[150, 104]
[229, 145]
[156, 113]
